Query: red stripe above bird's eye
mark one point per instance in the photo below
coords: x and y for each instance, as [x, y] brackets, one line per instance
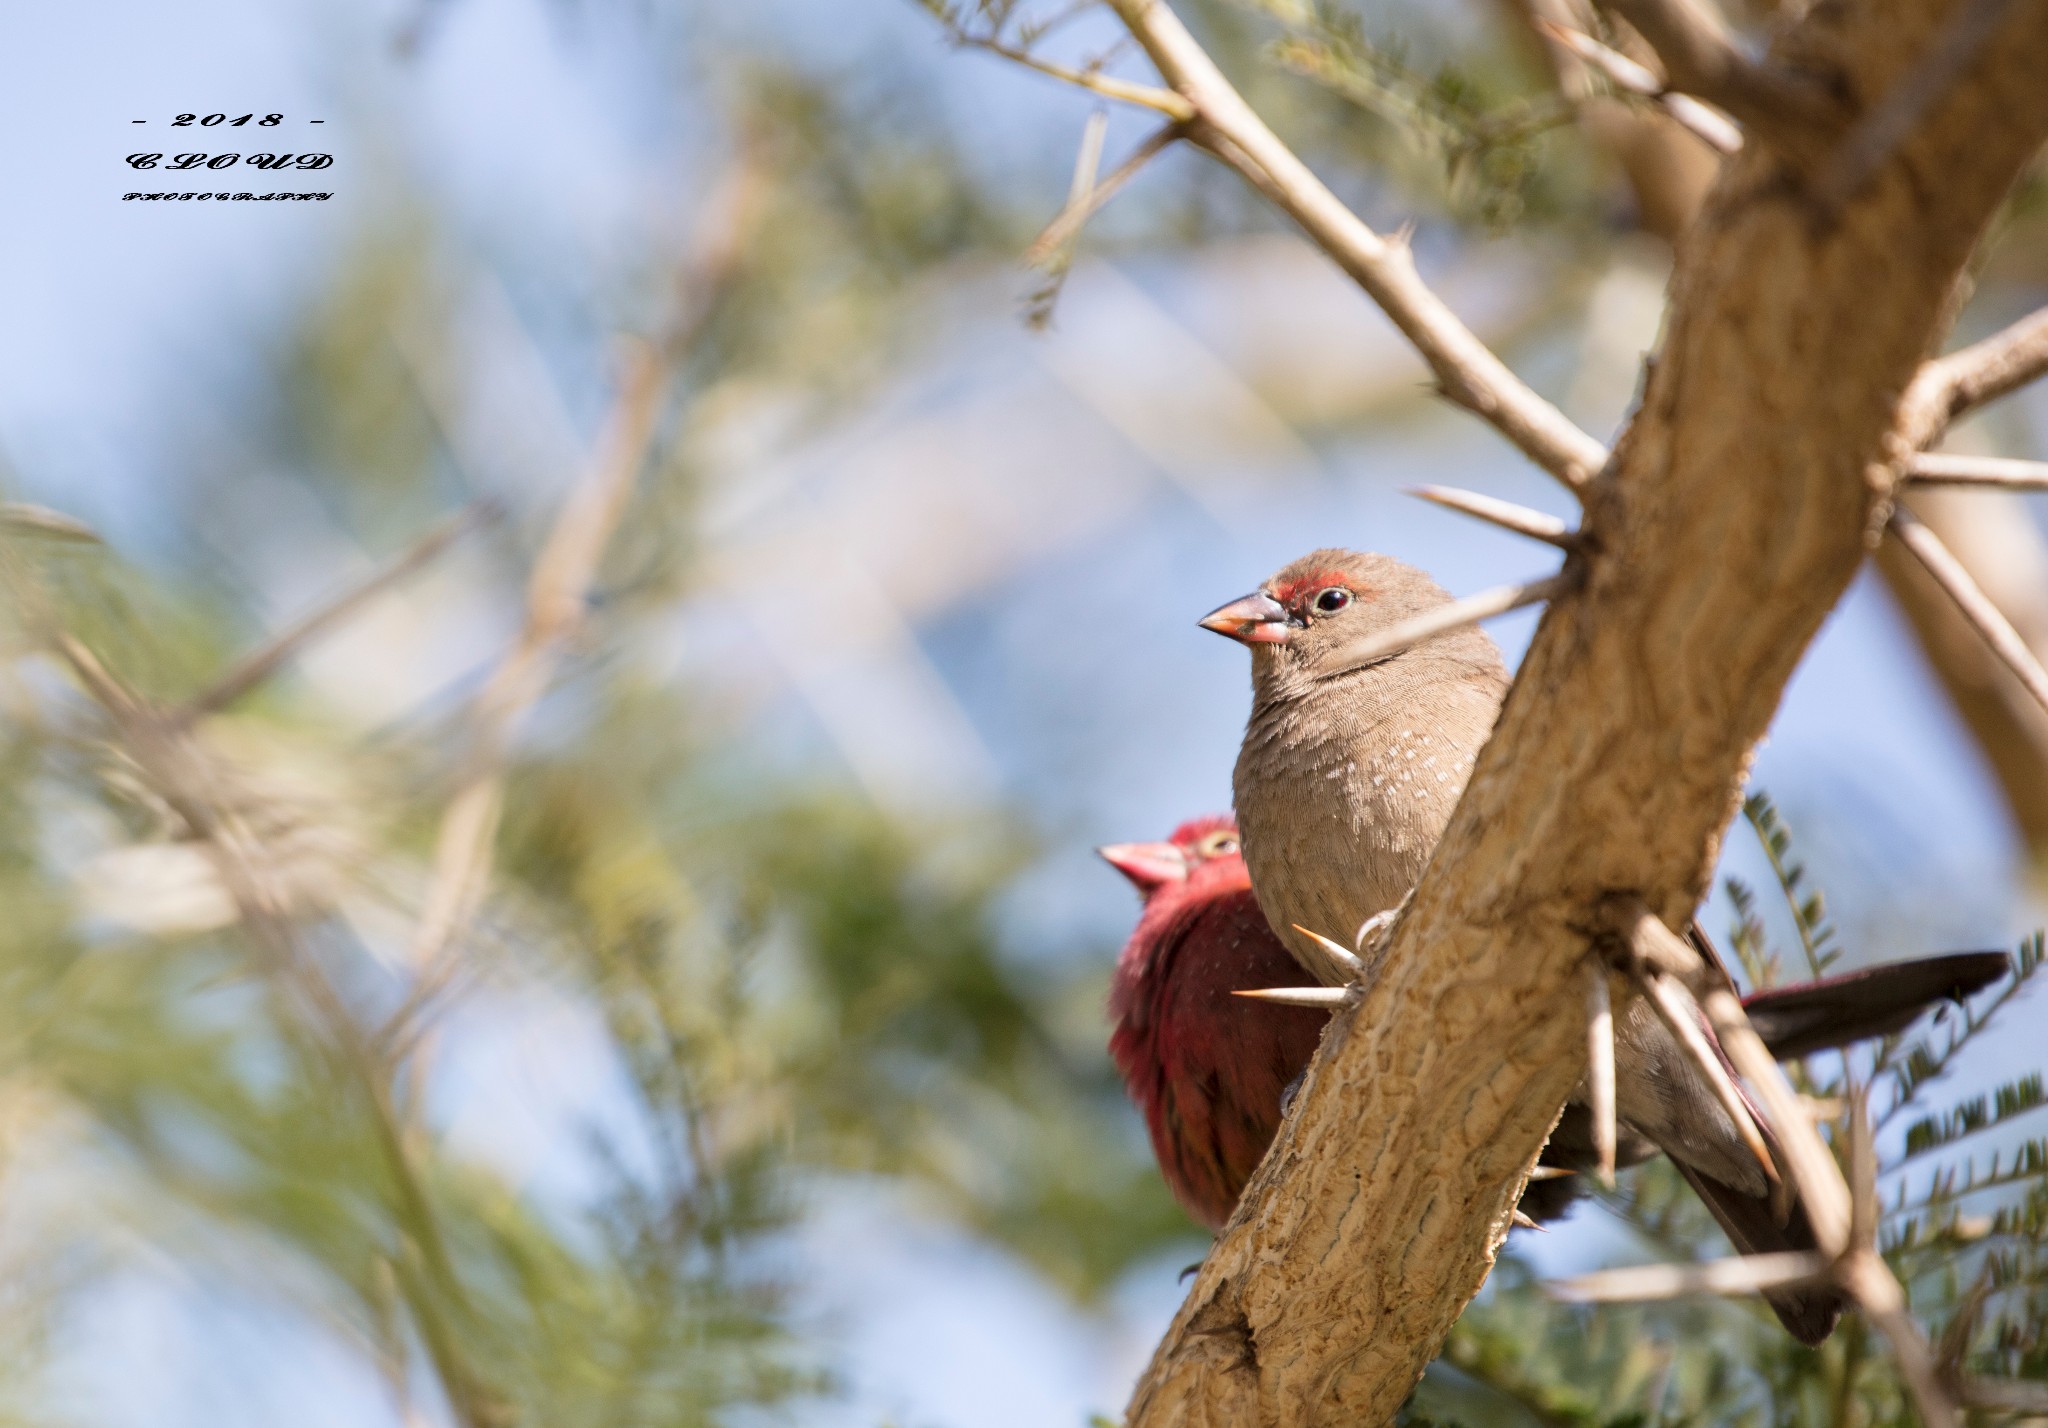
[1290, 591]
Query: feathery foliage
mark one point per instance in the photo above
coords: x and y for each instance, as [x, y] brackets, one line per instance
[1965, 1233]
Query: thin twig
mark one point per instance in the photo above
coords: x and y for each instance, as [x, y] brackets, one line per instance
[1675, 1003]
[556, 592]
[1522, 520]
[1706, 123]
[1871, 1283]
[1600, 1087]
[1976, 607]
[1745, 1274]
[1468, 371]
[2005, 1395]
[265, 660]
[166, 757]
[1886, 124]
[21, 518]
[1150, 96]
[1984, 371]
[2001, 472]
[1085, 204]
[1863, 1207]
[1702, 60]
[1456, 616]
[1860, 1272]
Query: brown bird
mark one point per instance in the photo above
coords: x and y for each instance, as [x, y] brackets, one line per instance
[1351, 764]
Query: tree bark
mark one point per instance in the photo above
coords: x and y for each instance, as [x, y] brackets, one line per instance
[1670, 173]
[1738, 506]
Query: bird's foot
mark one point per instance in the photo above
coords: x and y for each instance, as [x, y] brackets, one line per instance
[1372, 933]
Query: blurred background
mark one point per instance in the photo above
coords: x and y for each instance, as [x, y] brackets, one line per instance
[693, 1011]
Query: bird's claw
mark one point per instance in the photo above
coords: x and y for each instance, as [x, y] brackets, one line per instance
[1371, 940]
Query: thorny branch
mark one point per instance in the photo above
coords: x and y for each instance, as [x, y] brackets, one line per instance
[1787, 110]
[168, 759]
[265, 660]
[557, 591]
[1844, 1218]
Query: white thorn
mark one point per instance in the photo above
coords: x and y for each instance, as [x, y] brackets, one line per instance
[1600, 1095]
[1299, 996]
[1454, 616]
[1682, 1014]
[1340, 954]
[1505, 514]
[1748, 1274]
[1941, 469]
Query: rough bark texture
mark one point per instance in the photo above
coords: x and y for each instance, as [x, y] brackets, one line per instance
[1740, 503]
[1670, 173]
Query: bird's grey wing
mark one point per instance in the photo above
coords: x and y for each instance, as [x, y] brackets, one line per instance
[1809, 1315]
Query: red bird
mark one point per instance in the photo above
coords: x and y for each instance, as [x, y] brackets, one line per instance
[1210, 1070]
[1207, 1069]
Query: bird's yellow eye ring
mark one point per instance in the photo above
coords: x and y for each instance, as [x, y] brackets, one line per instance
[1218, 845]
[1329, 601]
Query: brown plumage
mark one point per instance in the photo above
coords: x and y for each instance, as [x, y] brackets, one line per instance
[1346, 779]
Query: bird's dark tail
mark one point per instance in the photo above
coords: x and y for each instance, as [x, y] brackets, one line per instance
[1854, 1006]
[1809, 1315]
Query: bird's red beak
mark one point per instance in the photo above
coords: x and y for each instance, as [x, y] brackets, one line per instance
[1148, 865]
[1255, 619]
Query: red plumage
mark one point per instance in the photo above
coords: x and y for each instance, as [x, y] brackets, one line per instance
[1207, 1069]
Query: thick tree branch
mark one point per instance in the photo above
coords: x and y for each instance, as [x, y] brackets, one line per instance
[1736, 513]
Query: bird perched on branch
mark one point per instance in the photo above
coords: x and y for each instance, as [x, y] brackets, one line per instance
[1352, 761]
[1210, 1070]
[1207, 1069]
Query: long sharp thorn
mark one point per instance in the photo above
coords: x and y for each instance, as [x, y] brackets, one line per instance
[1081, 206]
[1454, 616]
[1550, 1172]
[1941, 469]
[1523, 1222]
[1681, 1013]
[1340, 954]
[1747, 1274]
[1537, 525]
[1299, 996]
[1600, 1073]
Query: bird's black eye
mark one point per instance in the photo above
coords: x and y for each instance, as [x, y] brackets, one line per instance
[1332, 600]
